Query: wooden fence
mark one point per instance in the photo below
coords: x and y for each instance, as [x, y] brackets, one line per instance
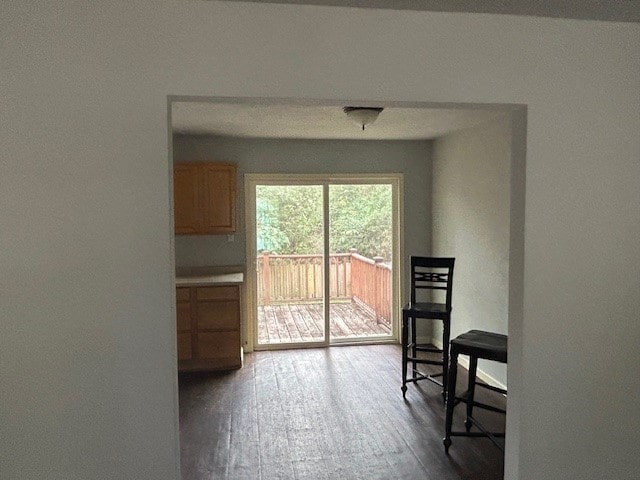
[352, 277]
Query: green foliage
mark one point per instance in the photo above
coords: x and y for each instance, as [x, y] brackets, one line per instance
[360, 218]
[289, 219]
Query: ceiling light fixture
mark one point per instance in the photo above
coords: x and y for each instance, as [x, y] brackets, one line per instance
[363, 115]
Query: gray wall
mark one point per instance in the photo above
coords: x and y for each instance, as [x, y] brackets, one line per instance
[411, 158]
[88, 346]
[471, 223]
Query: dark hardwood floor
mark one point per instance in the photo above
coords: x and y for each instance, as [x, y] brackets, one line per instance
[335, 413]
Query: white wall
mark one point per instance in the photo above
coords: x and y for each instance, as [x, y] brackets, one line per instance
[88, 344]
[252, 155]
[471, 223]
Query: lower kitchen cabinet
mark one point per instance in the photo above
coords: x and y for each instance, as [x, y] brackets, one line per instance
[208, 322]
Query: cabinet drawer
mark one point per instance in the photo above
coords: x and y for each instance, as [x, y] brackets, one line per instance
[184, 346]
[183, 313]
[182, 294]
[218, 293]
[218, 315]
[219, 346]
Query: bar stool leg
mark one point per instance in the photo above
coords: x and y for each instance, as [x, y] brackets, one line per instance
[414, 348]
[405, 340]
[451, 398]
[471, 389]
[446, 334]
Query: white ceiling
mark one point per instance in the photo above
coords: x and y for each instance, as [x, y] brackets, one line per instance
[320, 121]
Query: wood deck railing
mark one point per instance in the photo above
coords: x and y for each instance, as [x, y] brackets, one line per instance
[298, 278]
[371, 285]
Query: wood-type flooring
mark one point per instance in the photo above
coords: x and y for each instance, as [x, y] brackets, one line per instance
[334, 413]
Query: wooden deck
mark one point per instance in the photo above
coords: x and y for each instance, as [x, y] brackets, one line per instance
[299, 323]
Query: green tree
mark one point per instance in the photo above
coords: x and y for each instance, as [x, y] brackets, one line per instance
[289, 219]
[360, 217]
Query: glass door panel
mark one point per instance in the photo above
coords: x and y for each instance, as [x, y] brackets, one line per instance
[290, 264]
[360, 259]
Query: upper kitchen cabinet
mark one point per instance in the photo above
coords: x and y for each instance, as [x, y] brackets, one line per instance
[187, 204]
[204, 198]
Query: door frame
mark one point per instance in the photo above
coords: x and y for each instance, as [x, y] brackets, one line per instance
[396, 180]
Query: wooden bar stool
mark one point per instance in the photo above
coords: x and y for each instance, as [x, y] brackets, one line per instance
[476, 344]
[433, 275]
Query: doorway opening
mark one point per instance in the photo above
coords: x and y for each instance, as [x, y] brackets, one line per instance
[322, 251]
[267, 151]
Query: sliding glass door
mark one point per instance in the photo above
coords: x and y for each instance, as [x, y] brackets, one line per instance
[321, 251]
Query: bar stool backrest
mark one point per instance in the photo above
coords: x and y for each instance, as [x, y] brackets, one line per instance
[432, 274]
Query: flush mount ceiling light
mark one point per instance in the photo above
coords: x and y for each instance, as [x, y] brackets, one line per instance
[362, 115]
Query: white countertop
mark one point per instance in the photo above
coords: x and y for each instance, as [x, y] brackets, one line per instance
[225, 279]
[195, 276]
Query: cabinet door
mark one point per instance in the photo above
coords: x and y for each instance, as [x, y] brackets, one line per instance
[186, 199]
[219, 198]
[209, 332]
[183, 311]
[221, 347]
[185, 351]
[218, 315]
[184, 314]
